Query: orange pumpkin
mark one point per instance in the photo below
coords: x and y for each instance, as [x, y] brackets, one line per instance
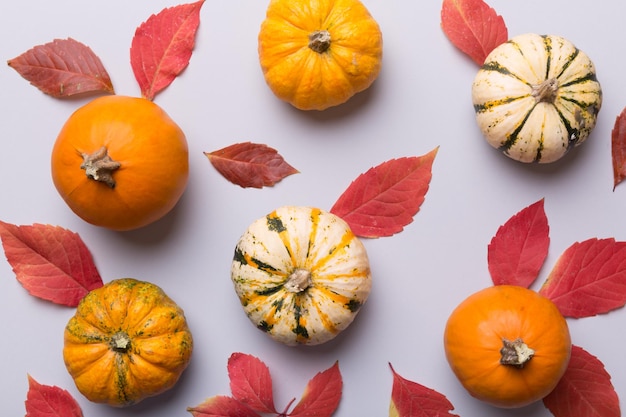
[120, 162]
[318, 54]
[127, 341]
[508, 346]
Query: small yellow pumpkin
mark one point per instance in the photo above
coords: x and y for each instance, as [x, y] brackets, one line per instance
[536, 97]
[301, 275]
[318, 54]
[127, 341]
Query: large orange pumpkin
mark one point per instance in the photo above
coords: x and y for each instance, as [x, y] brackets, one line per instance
[120, 162]
[509, 346]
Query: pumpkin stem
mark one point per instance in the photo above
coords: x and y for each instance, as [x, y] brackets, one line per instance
[546, 91]
[99, 166]
[120, 342]
[319, 41]
[515, 353]
[298, 281]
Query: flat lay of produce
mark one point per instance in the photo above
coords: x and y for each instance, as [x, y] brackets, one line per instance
[313, 208]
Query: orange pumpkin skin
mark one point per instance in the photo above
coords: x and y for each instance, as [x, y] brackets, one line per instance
[149, 148]
[127, 341]
[315, 55]
[475, 334]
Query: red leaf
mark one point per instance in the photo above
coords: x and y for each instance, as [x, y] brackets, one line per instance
[519, 248]
[50, 262]
[222, 406]
[250, 382]
[50, 401]
[618, 149]
[63, 68]
[584, 390]
[589, 278]
[322, 394]
[162, 47]
[473, 27]
[383, 200]
[250, 164]
[410, 399]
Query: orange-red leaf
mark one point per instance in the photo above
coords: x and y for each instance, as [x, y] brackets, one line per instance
[383, 200]
[162, 46]
[50, 262]
[410, 399]
[618, 148]
[589, 278]
[50, 401]
[518, 250]
[250, 164]
[473, 27]
[222, 406]
[250, 382]
[584, 390]
[321, 396]
[63, 68]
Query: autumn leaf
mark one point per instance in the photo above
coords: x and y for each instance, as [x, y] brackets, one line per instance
[618, 149]
[250, 164]
[250, 382]
[410, 399]
[49, 401]
[50, 262]
[473, 27]
[589, 278]
[584, 390]
[519, 248]
[321, 396]
[383, 200]
[222, 406]
[162, 46]
[63, 68]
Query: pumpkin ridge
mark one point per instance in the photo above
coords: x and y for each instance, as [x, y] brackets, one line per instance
[568, 62]
[513, 137]
[486, 106]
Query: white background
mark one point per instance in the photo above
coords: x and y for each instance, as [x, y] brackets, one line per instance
[421, 100]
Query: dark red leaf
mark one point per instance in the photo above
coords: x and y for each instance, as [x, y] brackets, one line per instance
[250, 382]
[50, 401]
[250, 164]
[584, 390]
[473, 27]
[321, 396]
[222, 406]
[50, 262]
[383, 200]
[63, 68]
[162, 47]
[589, 278]
[518, 250]
[410, 399]
[618, 149]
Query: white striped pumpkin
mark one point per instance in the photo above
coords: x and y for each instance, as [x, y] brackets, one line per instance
[536, 97]
[301, 275]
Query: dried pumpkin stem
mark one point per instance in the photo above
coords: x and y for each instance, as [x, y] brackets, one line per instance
[120, 342]
[515, 353]
[319, 41]
[99, 166]
[546, 91]
[298, 281]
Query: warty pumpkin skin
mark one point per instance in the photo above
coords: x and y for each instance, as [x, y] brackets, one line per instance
[509, 346]
[536, 97]
[318, 54]
[120, 162]
[301, 275]
[127, 341]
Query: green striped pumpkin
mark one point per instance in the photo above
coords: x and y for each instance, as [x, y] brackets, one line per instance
[536, 97]
[301, 275]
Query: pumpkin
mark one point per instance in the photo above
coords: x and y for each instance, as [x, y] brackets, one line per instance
[318, 54]
[508, 345]
[127, 341]
[301, 275]
[120, 162]
[536, 97]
